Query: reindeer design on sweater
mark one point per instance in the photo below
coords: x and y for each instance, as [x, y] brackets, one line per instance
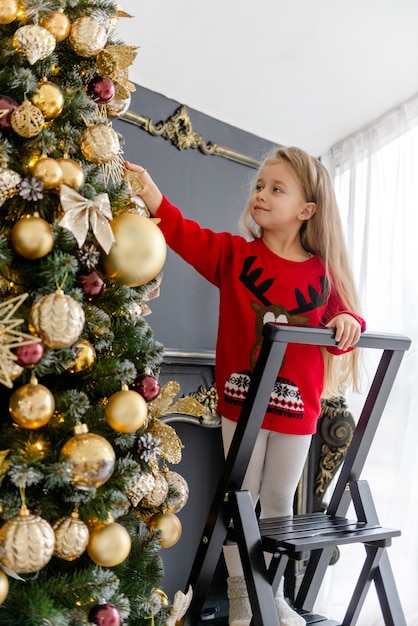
[285, 396]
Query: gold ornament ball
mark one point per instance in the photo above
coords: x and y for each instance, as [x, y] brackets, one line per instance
[180, 485]
[158, 493]
[32, 237]
[126, 411]
[87, 36]
[92, 458]
[49, 171]
[160, 596]
[85, 357]
[109, 545]
[8, 11]
[139, 252]
[4, 586]
[27, 543]
[27, 120]
[9, 181]
[170, 527]
[116, 107]
[49, 99]
[57, 23]
[72, 173]
[58, 319]
[100, 143]
[71, 537]
[32, 406]
[34, 41]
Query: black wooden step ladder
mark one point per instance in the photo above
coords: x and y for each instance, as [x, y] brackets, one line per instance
[310, 537]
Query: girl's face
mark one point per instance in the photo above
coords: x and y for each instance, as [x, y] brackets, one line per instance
[278, 202]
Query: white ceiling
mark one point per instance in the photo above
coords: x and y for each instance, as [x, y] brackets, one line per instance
[295, 72]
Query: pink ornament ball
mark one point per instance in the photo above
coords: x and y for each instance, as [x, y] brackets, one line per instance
[148, 386]
[101, 89]
[30, 355]
[92, 284]
[7, 106]
[104, 615]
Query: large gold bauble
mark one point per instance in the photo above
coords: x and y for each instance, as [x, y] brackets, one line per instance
[85, 357]
[72, 173]
[92, 458]
[180, 485]
[87, 36]
[126, 411]
[8, 11]
[4, 586]
[34, 41]
[71, 537]
[27, 543]
[49, 172]
[49, 99]
[27, 120]
[32, 237]
[139, 252]
[100, 143]
[9, 181]
[170, 527]
[58, 319]
[109, 544]
[32, 406]
[57, 23]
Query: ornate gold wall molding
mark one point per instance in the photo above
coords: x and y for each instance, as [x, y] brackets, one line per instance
[179, 130]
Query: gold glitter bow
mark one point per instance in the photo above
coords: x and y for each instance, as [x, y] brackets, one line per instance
[80, 213]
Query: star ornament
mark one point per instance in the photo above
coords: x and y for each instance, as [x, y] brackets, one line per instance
[10, 337]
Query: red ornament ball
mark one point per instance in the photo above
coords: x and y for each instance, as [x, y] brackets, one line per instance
[101, 89]
[92, 284]
[7, 106]
[30, 355]
[148, 386]
[104, 615]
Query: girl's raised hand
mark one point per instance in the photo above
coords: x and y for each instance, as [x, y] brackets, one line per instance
[150, 193]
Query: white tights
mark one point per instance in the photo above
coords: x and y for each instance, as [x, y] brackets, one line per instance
[272, 476]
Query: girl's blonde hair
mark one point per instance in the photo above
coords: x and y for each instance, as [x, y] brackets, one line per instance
[323, 235]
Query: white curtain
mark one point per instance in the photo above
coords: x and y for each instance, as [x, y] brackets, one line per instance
[376, 180]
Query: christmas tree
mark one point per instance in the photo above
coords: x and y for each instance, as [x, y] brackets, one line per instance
[86, 496]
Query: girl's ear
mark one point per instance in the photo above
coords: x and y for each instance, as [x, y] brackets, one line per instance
[308, 210]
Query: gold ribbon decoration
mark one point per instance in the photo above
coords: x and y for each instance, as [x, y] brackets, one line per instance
[80, 213]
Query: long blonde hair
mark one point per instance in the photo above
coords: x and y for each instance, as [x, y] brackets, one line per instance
[323, 235]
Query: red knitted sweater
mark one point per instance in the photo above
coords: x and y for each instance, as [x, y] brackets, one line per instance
[257, 286]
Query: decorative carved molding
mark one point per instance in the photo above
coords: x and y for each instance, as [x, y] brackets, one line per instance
[205, 395]
[179, 130]
[335, 432]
